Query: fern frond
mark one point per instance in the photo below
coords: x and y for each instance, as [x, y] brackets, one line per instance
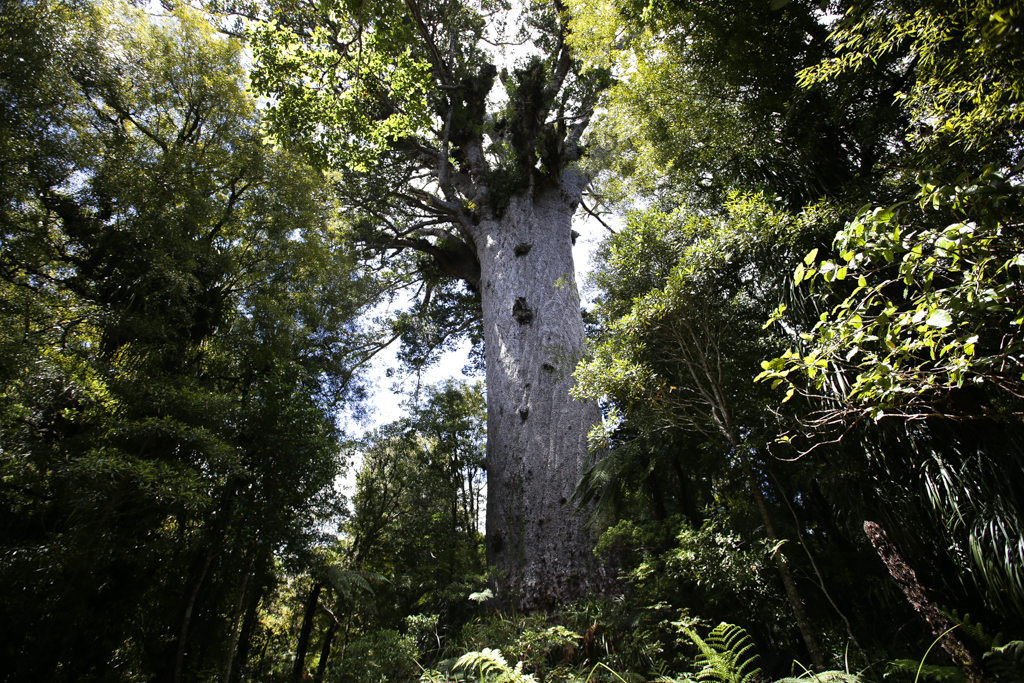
[434, 676]
[346, 581]
[824, 677]
[1006, 663]
[486, 661]
[726, 656]
[973, 630]
[906, 670]
[493, 668]
[447, 666]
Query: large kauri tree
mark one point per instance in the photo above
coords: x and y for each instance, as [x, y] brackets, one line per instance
[453, 179]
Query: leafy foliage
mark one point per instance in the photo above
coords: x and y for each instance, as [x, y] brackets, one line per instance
[825, 677]
[956, 321]
[177, 318]
[677, 351]
[726, 655]
[966, 85]
[1006, 663]
[909, 669]
[919, 297]
[709, 102]
[490, 665]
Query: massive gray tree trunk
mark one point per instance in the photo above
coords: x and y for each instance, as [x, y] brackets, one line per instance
[441, 187]
[536, 432]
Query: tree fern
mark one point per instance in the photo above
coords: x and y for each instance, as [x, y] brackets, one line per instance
[726, 655]
[346, 581]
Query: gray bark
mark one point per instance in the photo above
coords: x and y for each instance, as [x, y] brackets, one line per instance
[536, 432]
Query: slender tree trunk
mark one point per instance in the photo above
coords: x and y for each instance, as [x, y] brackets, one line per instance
[802, 622]
[536, 432]
[700, 355]
[218, 528]
[470, 510]
[814, 564]
[687, 503]
[453, 548]
[657, 502]
[309, 611]
[325, 651]
[344, 640]
[262, 668]
[186, 620]
[239, 607]
[249, 624]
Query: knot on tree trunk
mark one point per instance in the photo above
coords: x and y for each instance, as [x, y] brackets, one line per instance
[521, 311]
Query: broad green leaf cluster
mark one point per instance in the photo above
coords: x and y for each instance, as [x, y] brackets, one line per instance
[966, 86]
[955, 255]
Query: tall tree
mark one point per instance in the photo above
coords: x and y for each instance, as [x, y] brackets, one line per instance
[485, 192]
[174, 332]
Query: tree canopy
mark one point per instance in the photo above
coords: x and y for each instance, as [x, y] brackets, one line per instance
[178, 306]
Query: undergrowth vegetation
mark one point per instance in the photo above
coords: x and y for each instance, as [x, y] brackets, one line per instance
[609, 642]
